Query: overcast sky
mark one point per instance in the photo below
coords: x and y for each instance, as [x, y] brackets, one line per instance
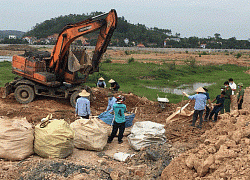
[200, 18]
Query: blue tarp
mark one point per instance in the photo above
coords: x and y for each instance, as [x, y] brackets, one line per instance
[107, 117]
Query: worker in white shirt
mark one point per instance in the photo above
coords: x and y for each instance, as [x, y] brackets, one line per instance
[233, 86]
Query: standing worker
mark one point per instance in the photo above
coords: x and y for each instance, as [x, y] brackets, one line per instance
[232, 85]
[228, 96]
[83, 105]
[210, 104]
[200, 103]
[111, 101]
[101, 83]
[114, 85]
[119, 120]
[218, 106]
[240, 95]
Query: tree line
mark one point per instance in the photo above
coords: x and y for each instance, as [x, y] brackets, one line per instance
[128, 34]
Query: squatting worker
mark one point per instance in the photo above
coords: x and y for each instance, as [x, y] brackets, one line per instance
[119, 120]
[210, 104]
[218, 106]
[200, 103]
[114, 85]
[83, 105]
[111, 101]
[101, 83]
[228, 96]
[240, 95]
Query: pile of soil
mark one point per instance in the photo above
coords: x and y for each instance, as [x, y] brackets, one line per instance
[223, 154]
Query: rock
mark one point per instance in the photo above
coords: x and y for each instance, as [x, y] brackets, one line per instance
[237, 135]
[190, 161]
[211, 149]
[7, 167]
[114, 175]
[209, 161]
[152, 155]
[81, 177]
[247, 141]
[221, 141]
[140, 172]
[207, 142]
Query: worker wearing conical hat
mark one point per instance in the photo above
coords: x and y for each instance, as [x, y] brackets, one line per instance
[114, 85]
[83, 105]
[200, 103]
[101, 83]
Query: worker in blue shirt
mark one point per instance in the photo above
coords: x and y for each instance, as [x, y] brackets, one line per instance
[111, 101]
[83, 105]
[119, 120]
[200, 103]
[101, 83]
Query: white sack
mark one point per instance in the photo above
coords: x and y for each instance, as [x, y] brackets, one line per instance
[16, 138]
[146, 133]
[89, 134]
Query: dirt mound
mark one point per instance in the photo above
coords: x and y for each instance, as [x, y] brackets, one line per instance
[224, 152]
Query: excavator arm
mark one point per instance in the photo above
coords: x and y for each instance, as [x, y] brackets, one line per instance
[106, 25]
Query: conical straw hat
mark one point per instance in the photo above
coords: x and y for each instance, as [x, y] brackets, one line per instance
[111, 81]
[101, 79]
[200, 89]
[84, 93]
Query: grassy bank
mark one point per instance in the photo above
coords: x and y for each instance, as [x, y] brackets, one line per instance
[134, 77]
[5, 73]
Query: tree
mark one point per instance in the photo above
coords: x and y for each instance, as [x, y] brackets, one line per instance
[217, 36]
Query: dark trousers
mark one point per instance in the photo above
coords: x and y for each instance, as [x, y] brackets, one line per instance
[85, 117]
[240, 104]
[215, 112]
[195, 116]
[116, 126]
[207, 112]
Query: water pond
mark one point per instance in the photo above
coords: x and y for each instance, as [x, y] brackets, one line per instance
[188, 88]
[5, 58]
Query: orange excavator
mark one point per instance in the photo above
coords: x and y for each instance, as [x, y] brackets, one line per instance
[61, 73]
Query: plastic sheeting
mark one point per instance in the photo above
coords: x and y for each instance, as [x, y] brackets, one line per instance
[107, 117]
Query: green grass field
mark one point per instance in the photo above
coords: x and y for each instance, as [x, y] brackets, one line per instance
[5, 73]
[134, 77]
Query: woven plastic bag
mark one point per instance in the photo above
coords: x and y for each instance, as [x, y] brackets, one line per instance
[145, 133]
[89, 134]
[53, 139]
[16, 138]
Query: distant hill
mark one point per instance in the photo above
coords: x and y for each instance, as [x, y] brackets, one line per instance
[135, 33]
[6, 33]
